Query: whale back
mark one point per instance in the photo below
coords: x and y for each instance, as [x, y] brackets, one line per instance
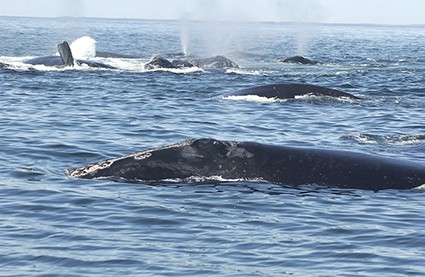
[291, 90]
[298, 59]
[231, 160]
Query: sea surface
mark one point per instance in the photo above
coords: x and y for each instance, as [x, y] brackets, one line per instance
[53, 119]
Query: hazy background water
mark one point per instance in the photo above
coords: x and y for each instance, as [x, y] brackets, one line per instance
[53, 119]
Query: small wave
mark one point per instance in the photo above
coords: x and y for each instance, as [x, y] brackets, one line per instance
[386, 139]
[82, 67]
[207, 179]
[253, 98]
[243, 71]
[42, 67]
[188, 180]
[420, 187]
[184, 70]
[217, 178]
[16, 62]
[306, 97]
[17, 66]
[315, 97]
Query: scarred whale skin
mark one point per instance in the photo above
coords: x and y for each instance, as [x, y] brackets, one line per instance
[254, 161]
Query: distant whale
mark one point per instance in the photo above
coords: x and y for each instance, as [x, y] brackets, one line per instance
[212, 62]
[231, 160]
[290, 90]
[65, 59]
[158, 62]
[298, 59]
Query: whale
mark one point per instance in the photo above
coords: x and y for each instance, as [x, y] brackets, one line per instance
[291, 90]
[158, 62]
[206, 159]
[212, 62]
[298, 59]
[65, 58]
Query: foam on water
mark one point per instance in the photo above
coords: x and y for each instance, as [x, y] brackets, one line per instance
[243, 71]
[253, 98]
[202, 180]
[262, 99]
[184, 70]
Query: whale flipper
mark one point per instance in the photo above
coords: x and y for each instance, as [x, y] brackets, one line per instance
[66, 53]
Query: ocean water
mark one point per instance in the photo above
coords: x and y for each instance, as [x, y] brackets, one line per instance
[52, 119]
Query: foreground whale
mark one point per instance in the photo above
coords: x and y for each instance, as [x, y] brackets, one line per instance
[209, 158]
[291, 90]
[65, 59]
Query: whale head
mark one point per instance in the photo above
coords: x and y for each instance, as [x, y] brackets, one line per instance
[189, 158]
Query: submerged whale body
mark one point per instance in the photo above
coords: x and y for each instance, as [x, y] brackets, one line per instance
[291, 90]
[65, 59]
[208, 158]
[47, 61]
[298, 59]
